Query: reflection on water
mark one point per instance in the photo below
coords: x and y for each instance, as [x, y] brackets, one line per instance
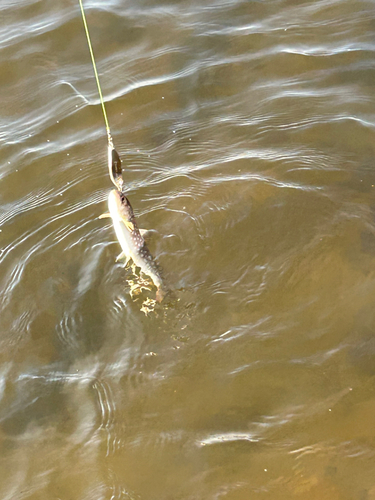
[246, 132]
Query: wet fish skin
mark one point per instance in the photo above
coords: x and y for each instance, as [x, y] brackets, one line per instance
[131, 240]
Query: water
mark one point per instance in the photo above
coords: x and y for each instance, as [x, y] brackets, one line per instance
[246, 131]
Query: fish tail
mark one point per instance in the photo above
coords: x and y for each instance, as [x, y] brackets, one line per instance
[160, 294]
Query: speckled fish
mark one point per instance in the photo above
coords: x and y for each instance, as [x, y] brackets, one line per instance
[131, 240]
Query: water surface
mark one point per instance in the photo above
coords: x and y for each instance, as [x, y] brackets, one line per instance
[246, 131]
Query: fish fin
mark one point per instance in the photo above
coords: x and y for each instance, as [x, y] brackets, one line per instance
[105, 216]
[144, 232]
[159, 295]
[122, 256]
[129, 225]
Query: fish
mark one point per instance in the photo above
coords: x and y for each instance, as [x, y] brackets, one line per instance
[131, 239]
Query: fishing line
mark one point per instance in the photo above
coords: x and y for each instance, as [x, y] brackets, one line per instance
[114, 162]
[95, 70]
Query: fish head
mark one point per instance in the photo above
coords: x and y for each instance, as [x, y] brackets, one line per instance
[120, 206]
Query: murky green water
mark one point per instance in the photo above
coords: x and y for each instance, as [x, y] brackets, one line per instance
[247, 134]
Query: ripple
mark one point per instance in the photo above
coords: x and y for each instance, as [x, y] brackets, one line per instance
[108, 412]
[22, 30]
[229, 437]
[245, 132]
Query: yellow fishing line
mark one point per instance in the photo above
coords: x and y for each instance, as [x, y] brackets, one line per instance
[96, 73]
